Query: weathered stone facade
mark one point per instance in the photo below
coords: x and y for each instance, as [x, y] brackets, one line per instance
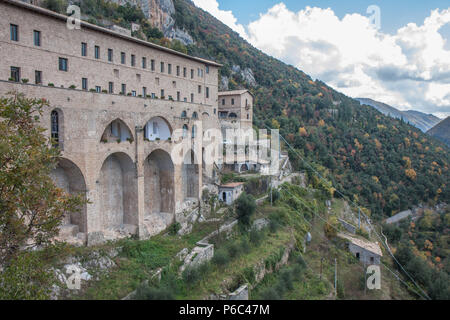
[133, 157]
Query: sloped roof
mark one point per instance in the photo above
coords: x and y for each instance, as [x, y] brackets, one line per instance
[234, 92]
[367, 245]
[232, 185]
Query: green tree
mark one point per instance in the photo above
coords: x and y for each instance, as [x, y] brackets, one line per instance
[245, 207]
[31, 206]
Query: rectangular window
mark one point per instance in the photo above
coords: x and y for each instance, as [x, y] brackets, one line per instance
[97, 52]
[192, 97]
[223, 102]
[178, 71]
[110, 55]
[144, 62]
[124, 88]
[84, 83]
[133, 93]
[15, 74]
[153, 95]
[122, 57]
[199, 89]
[169, 68]
[98, 89]
[37, 38]
[152, 62]
[162, 67]
[198, 72]
[37, 77]
[232, 102]
[63, 64]
[207, 92]
[144, 92]
[178, 96]
[184, 72]
[14, 29]
[162, 93]
[207, 69]
[83, 49]
[155, 127]
[111, 87]
[192, 73]
[133, 60]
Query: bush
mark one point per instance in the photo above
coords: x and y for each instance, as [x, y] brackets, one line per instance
[245, 246]
[256, 237]
[24, 80]
[220, 258]
[191, 275]
[146, 292]
[174, 228]
[270, 294]
[245, 207]
[233, 250]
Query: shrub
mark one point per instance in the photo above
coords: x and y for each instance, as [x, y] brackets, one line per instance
[233, 250]
[146, 292]
[255, 237]
[245, 246]
[24, 80]
[72, 86]
[245, 207]
[10, 79]
[174, 228]
[191, 275]
[270, 294]
[51, 84]
[220, 258]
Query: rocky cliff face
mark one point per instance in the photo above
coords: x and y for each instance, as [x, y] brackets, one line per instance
[159, 13]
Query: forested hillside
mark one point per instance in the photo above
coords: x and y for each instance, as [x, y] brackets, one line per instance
[383, 163]
[386, 163]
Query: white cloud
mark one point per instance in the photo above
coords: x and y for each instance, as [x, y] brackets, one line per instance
[227, 17]
[408, 69]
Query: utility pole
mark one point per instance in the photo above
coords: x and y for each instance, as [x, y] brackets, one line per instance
[321, 262]
[359, 218]
[271, 204]
[365, 279]
[335, 277]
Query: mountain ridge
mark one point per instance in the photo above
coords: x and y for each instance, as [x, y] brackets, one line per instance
[418, 119]
[441, 131]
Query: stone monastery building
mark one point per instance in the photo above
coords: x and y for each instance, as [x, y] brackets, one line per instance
[125, 114]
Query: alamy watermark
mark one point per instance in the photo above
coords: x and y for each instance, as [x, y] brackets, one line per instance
[374, 277]
[74, 19]
[375, 16]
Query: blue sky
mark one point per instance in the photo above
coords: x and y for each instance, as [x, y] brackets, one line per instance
[394, 13]
[404, 63]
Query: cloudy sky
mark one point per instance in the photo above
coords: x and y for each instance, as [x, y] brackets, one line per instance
[400, 56]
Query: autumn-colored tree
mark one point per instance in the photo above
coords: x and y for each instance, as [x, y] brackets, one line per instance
[31, 205]
[302, 132]
[410, 173]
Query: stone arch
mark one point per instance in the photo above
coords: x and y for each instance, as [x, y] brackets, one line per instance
[159, 183]
[68, 176]
[57, 128]
[194, 115]
[190, 175]
[117, 131]
[157, 128]
[232, 115]
[117, 190]
[184, 114]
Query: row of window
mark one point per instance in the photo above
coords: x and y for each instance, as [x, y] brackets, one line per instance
[14, 35]
[63, 66]
[110, 56]
[232, 102]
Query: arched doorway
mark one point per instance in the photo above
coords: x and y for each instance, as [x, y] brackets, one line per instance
[190, 176]
[118, 193]
[68, 176]
[117, 131]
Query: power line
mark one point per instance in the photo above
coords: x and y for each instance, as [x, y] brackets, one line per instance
[358, 207]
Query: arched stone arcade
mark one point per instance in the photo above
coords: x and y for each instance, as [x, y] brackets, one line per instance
[159, 192]
[117, 191]
[68, 176]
